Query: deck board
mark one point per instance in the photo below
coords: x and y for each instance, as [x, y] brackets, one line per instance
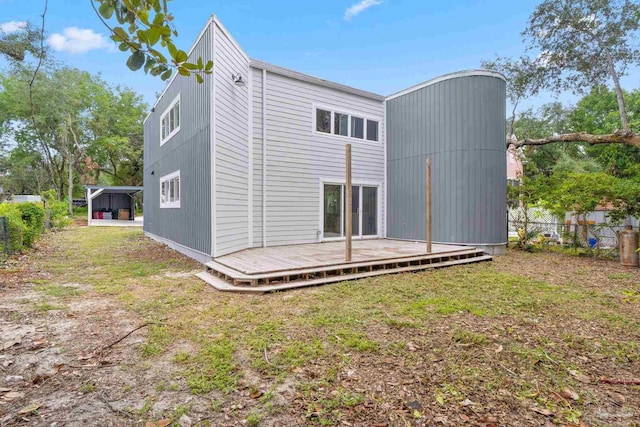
[305, 256]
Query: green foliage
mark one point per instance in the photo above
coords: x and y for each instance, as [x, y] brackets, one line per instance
[579, 192]
[25, 221]
[578, 177]
[15, 226]
[82, 123]
[33, 219]
[144, 27]
[582, 41]
[59, 214]
[58, 210]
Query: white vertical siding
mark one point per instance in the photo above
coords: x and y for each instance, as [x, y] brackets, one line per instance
[231, 145]
[298, 158]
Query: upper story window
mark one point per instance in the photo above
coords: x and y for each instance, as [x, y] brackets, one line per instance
[323, 121]
[170, 190]
[170, 121]
[372, 130]
[348, 125]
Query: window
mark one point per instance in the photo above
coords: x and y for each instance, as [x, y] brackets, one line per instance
[372, 130]
[323, 121]
[170, 121]
[342, 124]
[170, 190]
[357, 127]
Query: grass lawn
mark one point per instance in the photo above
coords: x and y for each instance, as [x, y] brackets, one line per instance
[524, 340]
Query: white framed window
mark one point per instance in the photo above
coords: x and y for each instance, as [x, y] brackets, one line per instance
[372, 130]
[170, 121]
[170, 190]
[341, 124]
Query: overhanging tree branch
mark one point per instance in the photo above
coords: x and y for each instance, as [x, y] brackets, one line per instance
[620, 137]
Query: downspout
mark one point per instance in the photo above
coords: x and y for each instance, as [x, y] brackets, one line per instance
[264, 158]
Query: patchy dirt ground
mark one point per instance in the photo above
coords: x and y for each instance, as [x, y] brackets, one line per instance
[104, 327]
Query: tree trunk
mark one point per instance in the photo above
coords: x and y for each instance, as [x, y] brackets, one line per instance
[619, 96]
[70, 184]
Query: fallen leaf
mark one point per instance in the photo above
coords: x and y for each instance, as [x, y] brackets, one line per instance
[13, 395]
[150, 424]
[440, 399]
[4, 390]
[568, 393]
[499, 349]
[620, 399]
[256, 394]
[417, 415]
[415, 405]
[543, 411]
[467, 402]
[580, 377]
[29, 409]
[9, 344]
[38, 344]
[39, 378]
[464, 418]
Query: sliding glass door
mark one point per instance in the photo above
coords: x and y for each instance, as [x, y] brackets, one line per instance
[333, 224]
[364, 204]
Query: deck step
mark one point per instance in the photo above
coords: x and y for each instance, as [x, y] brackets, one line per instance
[222, 285]
[239, 277]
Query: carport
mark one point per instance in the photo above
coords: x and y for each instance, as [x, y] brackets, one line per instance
[112, 205]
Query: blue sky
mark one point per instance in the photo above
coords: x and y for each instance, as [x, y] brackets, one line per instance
[380, 45]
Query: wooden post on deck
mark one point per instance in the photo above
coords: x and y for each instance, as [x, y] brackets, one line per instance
[349, 201]
[428, 205]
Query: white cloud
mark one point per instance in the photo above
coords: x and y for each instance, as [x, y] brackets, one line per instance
[78, 40]
[360, 7]
[12, 26]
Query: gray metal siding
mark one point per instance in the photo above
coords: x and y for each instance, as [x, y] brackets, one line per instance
[232, 147]
[188, 151]
[460, 124]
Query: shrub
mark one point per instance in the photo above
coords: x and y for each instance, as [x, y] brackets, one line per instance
[15, 226]
[33, 218]
[59, 210]
[59, 213]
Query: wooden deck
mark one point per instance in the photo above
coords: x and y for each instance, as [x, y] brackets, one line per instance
[293, 257]
[287, 267]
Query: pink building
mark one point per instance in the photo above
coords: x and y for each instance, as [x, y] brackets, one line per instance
[514, 165]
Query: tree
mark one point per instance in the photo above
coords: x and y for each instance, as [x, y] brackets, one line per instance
[84, 126]
[117, 142]
[597, 113]
[580, 44]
